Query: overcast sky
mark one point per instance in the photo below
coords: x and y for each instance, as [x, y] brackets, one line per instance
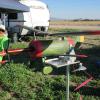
[73, 9]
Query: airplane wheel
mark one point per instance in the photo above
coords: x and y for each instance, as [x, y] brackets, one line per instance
[37, 64]
[47, 70]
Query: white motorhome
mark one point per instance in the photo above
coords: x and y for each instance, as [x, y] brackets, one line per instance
[38, 17]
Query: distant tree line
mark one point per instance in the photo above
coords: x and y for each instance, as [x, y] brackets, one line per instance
[86, 19]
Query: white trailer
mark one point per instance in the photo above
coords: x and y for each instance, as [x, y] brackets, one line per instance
[38, 17]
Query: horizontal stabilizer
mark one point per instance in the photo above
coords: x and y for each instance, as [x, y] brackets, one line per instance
[83, 84]
[81, 68]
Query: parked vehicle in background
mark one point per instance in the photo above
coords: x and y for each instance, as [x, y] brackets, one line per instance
[38, 18]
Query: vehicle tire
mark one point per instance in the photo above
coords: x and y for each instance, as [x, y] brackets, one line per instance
[43, 29]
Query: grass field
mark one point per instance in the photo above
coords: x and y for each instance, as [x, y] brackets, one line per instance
[80, 25]
[65, 22]
[19, 82]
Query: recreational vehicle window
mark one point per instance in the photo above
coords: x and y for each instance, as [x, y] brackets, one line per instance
[0, 15]
[12, 16]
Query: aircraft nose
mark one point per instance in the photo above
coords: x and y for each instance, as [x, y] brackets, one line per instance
[36, 47]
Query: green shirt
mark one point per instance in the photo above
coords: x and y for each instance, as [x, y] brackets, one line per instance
[3, 44]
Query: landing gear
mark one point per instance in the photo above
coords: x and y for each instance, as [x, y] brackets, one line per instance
[38, 65]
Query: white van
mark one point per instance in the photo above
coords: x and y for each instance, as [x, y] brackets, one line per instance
[38, 17]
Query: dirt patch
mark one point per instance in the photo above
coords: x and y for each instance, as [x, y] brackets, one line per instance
[81, 25]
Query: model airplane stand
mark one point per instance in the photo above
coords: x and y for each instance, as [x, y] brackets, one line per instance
[61, 62]
[66, 61]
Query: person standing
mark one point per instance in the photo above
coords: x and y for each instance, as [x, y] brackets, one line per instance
[3, 40]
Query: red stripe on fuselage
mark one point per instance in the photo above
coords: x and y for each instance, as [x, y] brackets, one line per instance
[37, 52]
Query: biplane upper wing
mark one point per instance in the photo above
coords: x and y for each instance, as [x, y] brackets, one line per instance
[97, 32]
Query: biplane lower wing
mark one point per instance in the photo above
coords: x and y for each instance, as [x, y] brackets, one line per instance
[14, 51]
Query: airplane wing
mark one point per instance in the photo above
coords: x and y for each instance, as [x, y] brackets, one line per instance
[97, 32]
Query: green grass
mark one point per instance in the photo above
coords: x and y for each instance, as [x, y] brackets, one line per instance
[19, 82]
[62, 30]
[18, 45]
